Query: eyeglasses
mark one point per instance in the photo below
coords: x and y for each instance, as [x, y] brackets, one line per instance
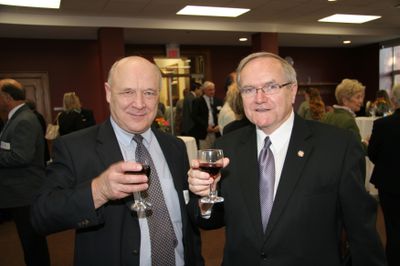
[269, 89]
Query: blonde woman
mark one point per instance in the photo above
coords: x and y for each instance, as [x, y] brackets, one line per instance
[74, 117]
[350, 97]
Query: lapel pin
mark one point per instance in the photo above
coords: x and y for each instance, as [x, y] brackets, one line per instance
[300, 154]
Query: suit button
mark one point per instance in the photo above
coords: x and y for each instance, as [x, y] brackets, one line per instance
[263, 255]
[135, 252]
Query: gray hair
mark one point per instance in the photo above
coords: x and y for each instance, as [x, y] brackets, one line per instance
[207, 84]
[347, 89]
[288, 70]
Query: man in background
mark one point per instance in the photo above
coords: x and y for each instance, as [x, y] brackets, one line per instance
[187, 121]
[22, 168]
[383, 151]
[205, 116]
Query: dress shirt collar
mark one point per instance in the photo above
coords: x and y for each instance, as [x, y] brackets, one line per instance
[126, 138]
[279, 138]
[341, 107]
[14, 110]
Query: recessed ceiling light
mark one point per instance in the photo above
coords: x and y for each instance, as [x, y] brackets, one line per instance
[30, 3]
[331, 0]
[348, 18]
[243, 39]
[212, 11]
[346, 42]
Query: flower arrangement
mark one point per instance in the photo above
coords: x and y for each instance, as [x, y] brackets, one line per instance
[162, 124]
[381, 106]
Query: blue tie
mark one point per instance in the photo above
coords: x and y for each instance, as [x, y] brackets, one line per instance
[266, 163]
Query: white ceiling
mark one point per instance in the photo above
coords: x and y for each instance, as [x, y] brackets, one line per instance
[155, 21]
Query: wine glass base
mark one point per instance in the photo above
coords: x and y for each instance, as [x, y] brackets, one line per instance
[212, 200]
[141, 206]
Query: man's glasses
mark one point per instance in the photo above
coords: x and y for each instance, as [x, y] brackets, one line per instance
[269, 89]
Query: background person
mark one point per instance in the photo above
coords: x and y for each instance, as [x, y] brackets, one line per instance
[383, 149]
[205, 116]
[290, 185]
[74, 117]
[236, 103]
[22, 168]
[187, 121]
[32, 105]
[349, 96]
[88, 189]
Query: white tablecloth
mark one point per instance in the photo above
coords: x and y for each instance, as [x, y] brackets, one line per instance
[191, 147]
[365, 125]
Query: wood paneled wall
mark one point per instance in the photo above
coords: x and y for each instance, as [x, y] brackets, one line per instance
[74, 65]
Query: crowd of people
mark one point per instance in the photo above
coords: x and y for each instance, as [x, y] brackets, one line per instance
[292, 180]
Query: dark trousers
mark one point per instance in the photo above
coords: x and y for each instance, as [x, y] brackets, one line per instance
[34, 245]
[390, 206]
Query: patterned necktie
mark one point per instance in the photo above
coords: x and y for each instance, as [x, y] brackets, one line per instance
[266, 163]
[162, 234]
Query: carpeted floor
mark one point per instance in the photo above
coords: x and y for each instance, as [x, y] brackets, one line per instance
[61, 245]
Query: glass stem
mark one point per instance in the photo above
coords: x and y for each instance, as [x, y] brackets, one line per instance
[213, 192]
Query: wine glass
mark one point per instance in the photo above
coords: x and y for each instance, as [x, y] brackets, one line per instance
[211, 161]
[141, 205]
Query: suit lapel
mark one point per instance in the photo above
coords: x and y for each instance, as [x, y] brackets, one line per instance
[247, 154]
[107, 145]
[167, 150]
[298, 152]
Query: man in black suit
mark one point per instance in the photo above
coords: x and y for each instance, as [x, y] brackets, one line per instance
[22, 168]
[383, 150]
[91, 181]
[205, 116]
[187, 121]
[308, 177]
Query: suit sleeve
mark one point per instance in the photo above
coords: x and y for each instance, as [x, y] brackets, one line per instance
[358, 209]
[22, 144]
[63, 202]
[374, 143]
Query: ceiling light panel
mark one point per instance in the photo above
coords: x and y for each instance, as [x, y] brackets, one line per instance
[212, 11]
[348, 18]
[30, 3]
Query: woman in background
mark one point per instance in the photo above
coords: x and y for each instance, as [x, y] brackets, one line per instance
[74, 117]
[349, 96]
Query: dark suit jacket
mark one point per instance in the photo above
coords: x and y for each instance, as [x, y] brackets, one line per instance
[22, 168]
[200, 116]
[70, 121]
[109, 235]
[187, 121]
[321, 188]
[383, 151]
[88, 117]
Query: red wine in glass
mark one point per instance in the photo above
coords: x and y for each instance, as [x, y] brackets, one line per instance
[211, 168]
[210, 161]
[145, 171]
[141, 205]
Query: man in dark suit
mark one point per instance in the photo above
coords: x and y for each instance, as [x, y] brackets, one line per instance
[290, 185]
[383, 149]
[22, 168]
[205, 116]
[92, 178]
[187, 121]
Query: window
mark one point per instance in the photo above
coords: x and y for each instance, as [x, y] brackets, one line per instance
[389, 67]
